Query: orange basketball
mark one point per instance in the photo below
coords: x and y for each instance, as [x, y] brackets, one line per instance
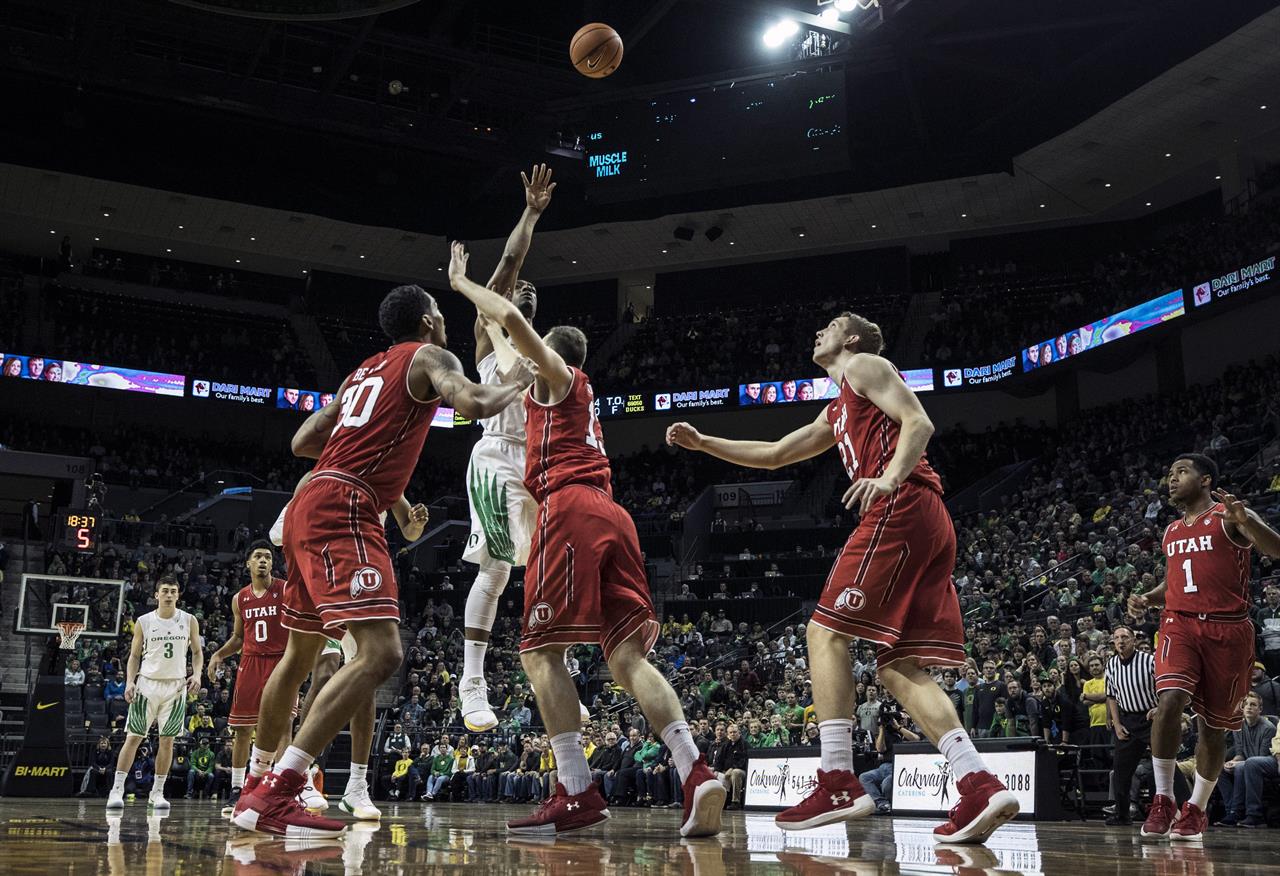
[596, 50]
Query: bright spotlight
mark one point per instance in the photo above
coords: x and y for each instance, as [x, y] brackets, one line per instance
[846, 5]
[780, 32]
[830, 15]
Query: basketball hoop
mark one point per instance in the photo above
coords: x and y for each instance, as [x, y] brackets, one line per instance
[69, 631]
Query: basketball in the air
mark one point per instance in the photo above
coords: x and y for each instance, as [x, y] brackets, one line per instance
[596, 50]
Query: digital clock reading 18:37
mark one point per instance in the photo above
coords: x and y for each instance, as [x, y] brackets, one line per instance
[81, 531]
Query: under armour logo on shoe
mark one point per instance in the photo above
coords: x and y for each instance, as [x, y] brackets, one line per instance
[572, 806]
[840, 799]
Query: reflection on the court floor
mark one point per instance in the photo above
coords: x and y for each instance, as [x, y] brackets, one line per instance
[1013, 847]
[765, 839]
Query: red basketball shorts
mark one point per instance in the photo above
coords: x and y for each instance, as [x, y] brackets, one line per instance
[892, 584]
[585, 580]
[252, 677]
[1211, 660]
[339, 566]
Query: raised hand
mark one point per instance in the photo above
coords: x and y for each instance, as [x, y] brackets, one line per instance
[1234, 510]
[538, 187]
[458, 257]
[684, 435]
[1137, 605]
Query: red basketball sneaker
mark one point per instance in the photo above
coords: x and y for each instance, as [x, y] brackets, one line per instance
[1159, 818]
[703, 801]
[250, 785]
[836, 796]
[561, 813]
[1191, 824]
[985, 804]
[271, 808]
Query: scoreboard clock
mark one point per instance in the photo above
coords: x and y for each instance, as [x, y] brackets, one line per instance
[80, 530]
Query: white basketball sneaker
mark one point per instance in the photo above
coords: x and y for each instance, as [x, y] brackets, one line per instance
[312, 799]
[356, 802]
[157, 802]
[477, 714]
[115, 800]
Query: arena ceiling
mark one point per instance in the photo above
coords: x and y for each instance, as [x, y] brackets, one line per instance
[968, 117]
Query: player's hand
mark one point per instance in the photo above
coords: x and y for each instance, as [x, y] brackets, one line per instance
[1138, 605]
[865, 492]
[522, 374]
[538, 187]
[193, 685]
[458, 258]
[212, 669]
[1121, 733]
[1229, 765]
[418, 517]
[684, 435]
[130, 691]
[1233, 509]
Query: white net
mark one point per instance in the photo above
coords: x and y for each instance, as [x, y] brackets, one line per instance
[68, 632]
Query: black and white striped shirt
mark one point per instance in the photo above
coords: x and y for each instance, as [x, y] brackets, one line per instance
[1132, 684]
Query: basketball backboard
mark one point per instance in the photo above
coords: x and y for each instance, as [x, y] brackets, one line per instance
[44, 600]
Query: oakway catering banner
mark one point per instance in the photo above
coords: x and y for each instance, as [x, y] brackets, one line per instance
[52, 370]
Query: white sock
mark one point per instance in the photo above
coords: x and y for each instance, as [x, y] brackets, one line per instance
[237, 777]
[836, 736]
[956, 746]
[571, 763]
[260, 762]
[1200, 793]
[118, 787]
[1163, 768]
[358, 777]
[473, 659]
[683, 750]
[295, 759]
[157, 788]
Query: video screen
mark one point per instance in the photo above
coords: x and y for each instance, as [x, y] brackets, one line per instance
[1138, 318]
[785, 392]
[51, 370]
[305, 400]
[695, 140]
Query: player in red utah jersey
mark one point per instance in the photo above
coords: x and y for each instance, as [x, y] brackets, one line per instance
[340, 572]
[891, 583]
[260, 639]
[585, 579]
[1205, 649]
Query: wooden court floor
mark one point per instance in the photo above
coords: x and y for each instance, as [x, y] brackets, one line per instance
[77, 837]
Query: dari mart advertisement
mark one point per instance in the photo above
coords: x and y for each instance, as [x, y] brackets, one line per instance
[1241, 279]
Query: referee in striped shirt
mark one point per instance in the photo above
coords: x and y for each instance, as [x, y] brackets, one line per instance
[1131, 703]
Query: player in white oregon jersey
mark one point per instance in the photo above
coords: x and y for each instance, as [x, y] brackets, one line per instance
[157, 686]
[503, 513]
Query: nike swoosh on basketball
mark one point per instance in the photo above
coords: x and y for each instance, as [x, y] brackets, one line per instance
[592, 62]
[40, 707]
